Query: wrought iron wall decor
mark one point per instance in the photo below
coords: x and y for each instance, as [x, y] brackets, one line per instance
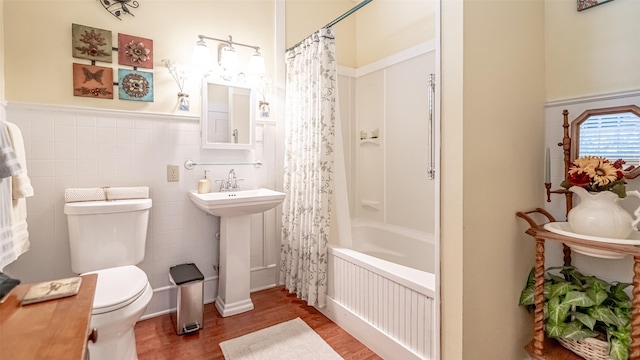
[119, 7]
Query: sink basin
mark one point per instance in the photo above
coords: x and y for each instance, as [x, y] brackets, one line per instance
[236, 203]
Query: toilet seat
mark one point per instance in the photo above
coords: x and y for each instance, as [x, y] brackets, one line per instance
[117, 288]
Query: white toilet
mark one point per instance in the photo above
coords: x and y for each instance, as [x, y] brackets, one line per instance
[108, 238]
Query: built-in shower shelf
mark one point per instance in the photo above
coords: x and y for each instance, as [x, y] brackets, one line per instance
[375, 141]
[371, 204]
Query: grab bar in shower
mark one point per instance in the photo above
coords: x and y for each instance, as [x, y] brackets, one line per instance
[190, 164]
[431, 166]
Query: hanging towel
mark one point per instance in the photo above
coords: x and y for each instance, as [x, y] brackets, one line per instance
[106, 193]
[20, 183]
[9, 166]
[20, 189]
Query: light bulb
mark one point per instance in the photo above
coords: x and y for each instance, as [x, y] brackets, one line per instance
[228, 58]
[228, 62]
[256, 63]
[200, 56]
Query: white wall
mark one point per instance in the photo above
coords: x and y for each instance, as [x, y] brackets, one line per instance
[591, 52]
[38, 45]
[385, 27]
[492, 167]
[377, 30]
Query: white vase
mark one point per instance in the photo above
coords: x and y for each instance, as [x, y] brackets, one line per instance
[599, 214]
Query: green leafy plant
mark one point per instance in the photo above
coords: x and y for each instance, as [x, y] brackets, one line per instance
[577, 306]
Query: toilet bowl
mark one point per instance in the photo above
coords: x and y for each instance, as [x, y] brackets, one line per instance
[108, 238]
[122, 296]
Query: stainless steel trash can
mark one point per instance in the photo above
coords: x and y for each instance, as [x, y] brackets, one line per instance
[187, 318]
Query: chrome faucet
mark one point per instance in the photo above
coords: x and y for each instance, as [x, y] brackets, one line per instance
[231, 184]
[232, 181]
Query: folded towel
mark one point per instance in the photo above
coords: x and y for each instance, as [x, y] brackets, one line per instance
[106, 193]
[133, 192]
[84, 194]
[20, 183]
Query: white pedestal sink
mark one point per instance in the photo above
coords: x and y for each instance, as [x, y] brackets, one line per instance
[234, 209]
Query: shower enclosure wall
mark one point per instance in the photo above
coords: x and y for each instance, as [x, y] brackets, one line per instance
[387, 300]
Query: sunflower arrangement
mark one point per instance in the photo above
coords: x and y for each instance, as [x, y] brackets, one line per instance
[595, 174]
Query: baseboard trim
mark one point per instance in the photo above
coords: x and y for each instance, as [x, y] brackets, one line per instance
[162, 298]
[369, 335]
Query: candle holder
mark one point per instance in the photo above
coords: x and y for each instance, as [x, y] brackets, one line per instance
[566, 149]
[559, 191]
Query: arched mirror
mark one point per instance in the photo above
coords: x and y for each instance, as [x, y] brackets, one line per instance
[228, 118]
[613, 133]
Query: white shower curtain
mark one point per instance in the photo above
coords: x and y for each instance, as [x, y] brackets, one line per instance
[308, 166]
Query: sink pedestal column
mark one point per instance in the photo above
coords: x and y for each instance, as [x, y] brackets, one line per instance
[233, 280]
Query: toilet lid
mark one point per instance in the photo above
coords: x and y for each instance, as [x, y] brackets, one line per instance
[118, 287]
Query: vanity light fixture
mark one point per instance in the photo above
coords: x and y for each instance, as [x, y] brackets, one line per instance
[227, 56]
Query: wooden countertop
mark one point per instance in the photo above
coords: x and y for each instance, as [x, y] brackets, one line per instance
[54, 329]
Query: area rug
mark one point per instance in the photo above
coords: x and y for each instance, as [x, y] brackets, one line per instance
[293, 339]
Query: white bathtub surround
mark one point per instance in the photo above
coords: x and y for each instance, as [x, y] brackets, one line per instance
[388, 307]
[308, 166]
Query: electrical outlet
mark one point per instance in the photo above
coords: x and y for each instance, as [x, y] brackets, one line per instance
[173, 173]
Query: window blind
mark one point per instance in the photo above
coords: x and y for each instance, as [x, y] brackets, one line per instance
[615, 136]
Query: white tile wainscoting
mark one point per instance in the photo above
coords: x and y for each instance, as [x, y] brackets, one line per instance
[80, 147]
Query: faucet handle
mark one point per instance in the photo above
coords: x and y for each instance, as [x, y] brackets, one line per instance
[223, 184]
[236, 186]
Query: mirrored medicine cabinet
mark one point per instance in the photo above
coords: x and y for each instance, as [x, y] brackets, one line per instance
[228, 115]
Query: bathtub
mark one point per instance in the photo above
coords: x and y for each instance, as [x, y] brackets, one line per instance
[388, 306]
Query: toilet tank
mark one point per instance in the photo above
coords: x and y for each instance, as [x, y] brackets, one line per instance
[106, 234]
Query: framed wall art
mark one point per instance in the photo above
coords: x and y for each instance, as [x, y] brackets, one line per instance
[135, 51]
[91, 43]
[92, 81]
[587, 4]
[135, 85]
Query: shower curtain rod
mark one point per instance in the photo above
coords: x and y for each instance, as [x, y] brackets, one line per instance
[339, 18]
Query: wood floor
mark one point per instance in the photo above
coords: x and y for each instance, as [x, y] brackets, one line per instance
[156, 338]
